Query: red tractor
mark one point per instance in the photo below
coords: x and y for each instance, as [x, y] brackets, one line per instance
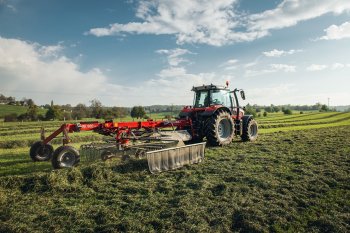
[217, 116]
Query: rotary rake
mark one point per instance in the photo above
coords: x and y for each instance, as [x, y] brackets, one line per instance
[162, 143]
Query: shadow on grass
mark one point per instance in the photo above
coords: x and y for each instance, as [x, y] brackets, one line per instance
[131, 165]
[24, 168]
[11, 163]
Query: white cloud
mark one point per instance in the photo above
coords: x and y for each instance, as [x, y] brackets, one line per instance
[279, 53]
[273, 69]
[229, 64]
[316, 67]
[174, 55]
[51, 50]
[173, 84]
[283, 67]
[334, 66]
[231, 61]
[250, 64]
[175, 78]
[25, 68]
[290, 12]
[335, 32]
[198, 21]
[217, 22]
[271, 94]
[8, 5]
[27, 71]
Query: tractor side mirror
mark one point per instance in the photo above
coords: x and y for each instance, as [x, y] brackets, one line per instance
[242, 95]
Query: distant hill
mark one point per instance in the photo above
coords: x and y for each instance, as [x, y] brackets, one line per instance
[8, 109]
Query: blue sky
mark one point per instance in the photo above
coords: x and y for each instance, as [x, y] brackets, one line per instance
[129, 53]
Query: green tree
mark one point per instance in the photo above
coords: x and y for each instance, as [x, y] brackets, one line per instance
[287, 111]
[133, 112]
[54, 113]
[137, 112]
[80, 111]
[96, 108]
[324, 108]
[119, 111]
[276, 109]
[250, 110]
[30, 102]
[108, 114]
[268, 109]
[32, 112]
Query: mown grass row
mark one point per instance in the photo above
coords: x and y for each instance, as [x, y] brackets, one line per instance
[27, 142]
[35, 130]
[294, 181]
[304, 117]
[281, 116]
[25, 137]
[328, 120]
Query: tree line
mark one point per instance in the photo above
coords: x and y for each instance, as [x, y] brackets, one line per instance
[98, 111]
[68, 112]
[12, 101]
[255, 110]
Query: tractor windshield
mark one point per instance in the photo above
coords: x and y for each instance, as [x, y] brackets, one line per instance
[222, 97]
[206, 98]
[201, 99]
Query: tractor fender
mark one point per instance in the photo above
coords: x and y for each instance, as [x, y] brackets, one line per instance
[246, 119]
[211, 112]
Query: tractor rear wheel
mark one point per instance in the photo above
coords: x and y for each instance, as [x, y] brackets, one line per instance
[65, 156]
[40, 151]
[250, 131]
[219, 129]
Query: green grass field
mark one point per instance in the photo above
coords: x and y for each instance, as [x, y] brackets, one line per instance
[9, 109]
[294, 178]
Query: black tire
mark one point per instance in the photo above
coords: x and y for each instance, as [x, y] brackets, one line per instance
[65, 156]
[250, 131]
[40, 151]
[219, 129]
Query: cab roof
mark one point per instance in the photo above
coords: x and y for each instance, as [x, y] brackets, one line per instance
[209, 87]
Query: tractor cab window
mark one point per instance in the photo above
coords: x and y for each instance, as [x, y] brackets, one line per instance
[202, 99]
[222, 97]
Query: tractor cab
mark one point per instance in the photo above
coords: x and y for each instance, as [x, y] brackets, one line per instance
[209, 95]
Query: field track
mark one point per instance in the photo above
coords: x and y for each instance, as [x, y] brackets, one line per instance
[294, 178]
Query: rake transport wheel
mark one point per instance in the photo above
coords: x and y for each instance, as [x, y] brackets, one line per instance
[65, 156]
[40, 151]
[250, 131]
[219, 129]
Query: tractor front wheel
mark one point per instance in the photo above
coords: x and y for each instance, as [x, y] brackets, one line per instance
[219, 129]
[250, 131]
[65, 156]
[40, 151]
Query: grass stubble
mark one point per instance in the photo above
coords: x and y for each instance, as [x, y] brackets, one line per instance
[293, 181]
